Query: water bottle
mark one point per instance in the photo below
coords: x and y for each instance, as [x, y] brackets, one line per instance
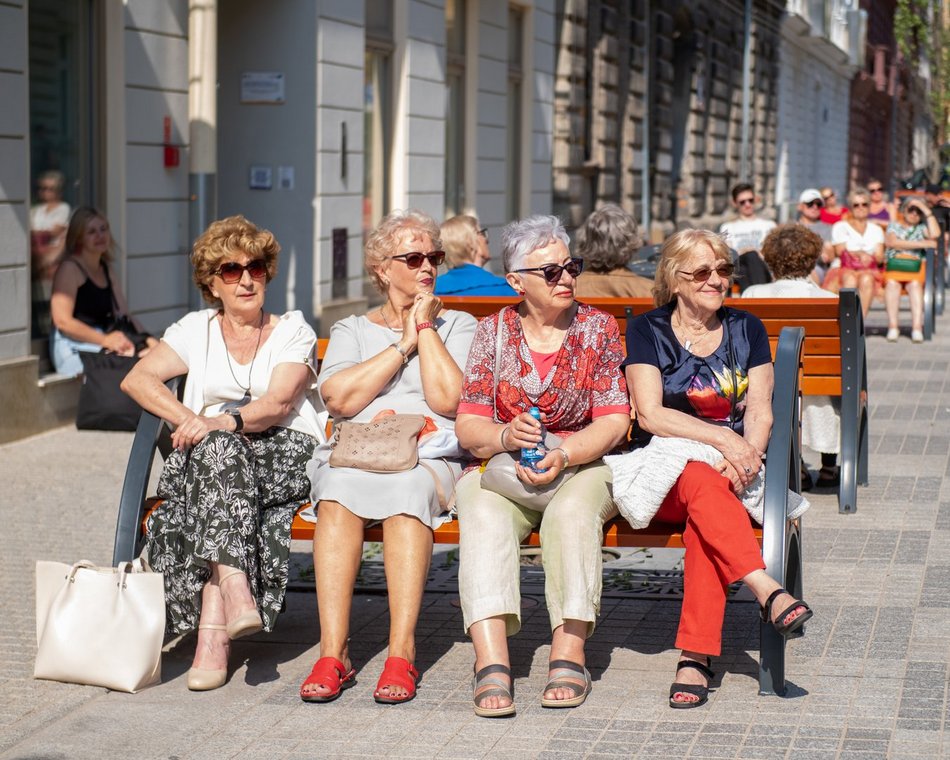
[530, 457]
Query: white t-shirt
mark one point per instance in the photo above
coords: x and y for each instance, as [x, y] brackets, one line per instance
[854, 241]
[43, 219]
[212, 385]
[790, 288]
[746, 234]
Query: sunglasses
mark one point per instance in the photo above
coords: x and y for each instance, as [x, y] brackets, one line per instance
[829, 196]
[231, 272]
[414, 259]
[745, 201]
[552, 272]
[815, 204]
[704, 273]
[912, 210]
[875, 189]
[860, 205]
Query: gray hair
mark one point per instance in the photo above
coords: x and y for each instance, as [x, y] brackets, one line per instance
[521, 237]
[608, 239]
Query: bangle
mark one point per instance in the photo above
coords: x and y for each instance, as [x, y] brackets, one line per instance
[504, 430]
[423, 325]
[402, 352]
[565, 455]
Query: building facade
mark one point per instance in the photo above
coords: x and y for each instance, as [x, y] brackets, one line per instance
[313, 119]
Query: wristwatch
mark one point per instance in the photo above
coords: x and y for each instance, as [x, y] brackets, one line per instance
[238, 419]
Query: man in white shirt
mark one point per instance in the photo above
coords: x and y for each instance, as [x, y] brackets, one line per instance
[745, 235]
[810, 204]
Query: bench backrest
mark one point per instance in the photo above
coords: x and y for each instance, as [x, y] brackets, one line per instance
[825, 321]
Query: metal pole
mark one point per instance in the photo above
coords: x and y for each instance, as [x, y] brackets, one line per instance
[744, 163]
[202, 120]
[646, 222]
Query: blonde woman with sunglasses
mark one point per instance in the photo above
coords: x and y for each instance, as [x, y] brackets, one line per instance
[563, 357]
[699, 371]
[404, 357]
[244, 432]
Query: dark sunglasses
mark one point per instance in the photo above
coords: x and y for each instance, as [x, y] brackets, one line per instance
[860, 205]
[704, 273]
[414, 259]
[231, 272]
[829, 196]
[815, 203]
[552, 272]
[745, 201]
[875, 189]
[912, 210]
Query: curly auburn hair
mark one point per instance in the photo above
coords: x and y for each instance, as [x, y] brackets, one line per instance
[608, 239]
[674, 254]
[791, 250]
[225, 239]
[384, 240]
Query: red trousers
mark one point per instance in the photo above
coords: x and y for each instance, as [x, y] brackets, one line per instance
[720, 549]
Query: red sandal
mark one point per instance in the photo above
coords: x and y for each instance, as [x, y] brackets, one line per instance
[329, 673]
[397, 672]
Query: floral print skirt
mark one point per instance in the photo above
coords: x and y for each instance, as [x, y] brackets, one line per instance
[230, 499]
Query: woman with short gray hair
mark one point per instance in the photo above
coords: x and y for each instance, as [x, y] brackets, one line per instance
[563, 357]
[608, 241]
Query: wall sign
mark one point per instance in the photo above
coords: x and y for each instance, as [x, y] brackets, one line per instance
[260, 178]
[262, 87]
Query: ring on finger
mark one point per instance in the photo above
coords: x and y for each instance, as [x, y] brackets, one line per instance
[748, 470]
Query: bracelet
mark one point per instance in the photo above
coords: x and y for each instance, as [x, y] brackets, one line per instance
[504, 430]
[423, 325]
[402, 352]
[567, 458]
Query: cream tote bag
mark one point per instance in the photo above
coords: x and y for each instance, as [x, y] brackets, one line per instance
[99, 626]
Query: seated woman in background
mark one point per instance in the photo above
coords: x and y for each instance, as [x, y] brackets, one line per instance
[699, 371]
[406, 356]
[921, 231]
[791, 251]
[607, 242]
[881, 210]
[466, 253]
[563, 357]
[859, 244]
[243, 436]
[87, 301]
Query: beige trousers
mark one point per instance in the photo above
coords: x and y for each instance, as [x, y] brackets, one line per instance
[492, 529]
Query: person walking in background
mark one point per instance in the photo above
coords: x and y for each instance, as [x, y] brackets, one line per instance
[881, 209]
[87, 301]
[466, 253]
[920, 231]
[810, 206]
[49, 220]
[608, 241]
[833, 212]
[745, 235]
[859, 244]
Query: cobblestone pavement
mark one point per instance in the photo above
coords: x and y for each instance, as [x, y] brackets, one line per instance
[869, 679]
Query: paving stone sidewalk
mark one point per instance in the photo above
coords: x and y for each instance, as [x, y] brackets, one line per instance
[869, 679]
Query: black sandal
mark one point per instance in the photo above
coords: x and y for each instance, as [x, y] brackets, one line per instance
[785, 630]
[691, 688]
[828, 477]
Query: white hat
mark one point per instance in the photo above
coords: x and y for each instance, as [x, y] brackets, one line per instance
[809, 195]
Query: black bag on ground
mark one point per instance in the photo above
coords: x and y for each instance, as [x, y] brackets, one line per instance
[102, 404]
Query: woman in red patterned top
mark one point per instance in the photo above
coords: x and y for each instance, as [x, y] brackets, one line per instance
[564, 358]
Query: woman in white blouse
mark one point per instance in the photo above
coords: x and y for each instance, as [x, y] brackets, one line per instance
[859, 245]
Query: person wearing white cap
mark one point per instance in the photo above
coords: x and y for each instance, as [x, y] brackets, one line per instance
[810, 204]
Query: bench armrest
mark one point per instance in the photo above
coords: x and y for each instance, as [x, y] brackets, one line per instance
[784, 453]
[151, 433]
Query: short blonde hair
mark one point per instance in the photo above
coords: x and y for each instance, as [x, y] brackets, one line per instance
[459, 240]
[226, 238]
[674, 254]
[384, 240]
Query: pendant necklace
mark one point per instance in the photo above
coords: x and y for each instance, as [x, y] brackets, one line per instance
[247, 391]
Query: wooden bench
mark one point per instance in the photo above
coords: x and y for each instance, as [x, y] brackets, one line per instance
[834, 360]
[779, 537]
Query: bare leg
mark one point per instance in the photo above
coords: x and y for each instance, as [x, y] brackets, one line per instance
[406, 556]
[491, 648]
[916, 293]
[568, 644]
[234, 590]
[866, 291]
[214, 646]
[892, 299]
[337, 551]
[762, 585]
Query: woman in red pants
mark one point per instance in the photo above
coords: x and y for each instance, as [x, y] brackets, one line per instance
[700, 371]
